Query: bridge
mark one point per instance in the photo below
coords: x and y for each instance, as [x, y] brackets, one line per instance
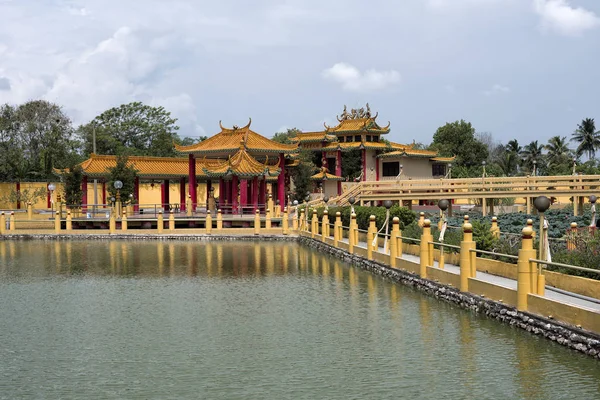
[405, 190]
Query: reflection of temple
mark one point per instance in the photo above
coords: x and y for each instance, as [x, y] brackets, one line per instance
[358, 130]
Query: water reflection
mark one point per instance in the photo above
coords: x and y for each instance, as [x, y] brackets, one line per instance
[236, 315]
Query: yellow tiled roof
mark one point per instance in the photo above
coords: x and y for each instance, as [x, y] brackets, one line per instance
[410, 152]
[228, 140]
[308, 137]
[323, 175]
[443, 159]
[358, 124]
[241, 164]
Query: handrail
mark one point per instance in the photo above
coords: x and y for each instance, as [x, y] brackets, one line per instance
[450, 246]
[494, 254]
[543, 264]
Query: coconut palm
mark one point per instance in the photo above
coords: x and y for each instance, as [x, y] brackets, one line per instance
[558, 151]
[587, 137]
[513, 147]
[532, 152]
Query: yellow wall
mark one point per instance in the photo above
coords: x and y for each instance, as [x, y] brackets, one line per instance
[588, 319]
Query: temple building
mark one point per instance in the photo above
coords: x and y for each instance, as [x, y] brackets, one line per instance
[358, 131]
[241, 166]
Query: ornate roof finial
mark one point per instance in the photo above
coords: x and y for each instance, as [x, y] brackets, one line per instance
[368, 112]
[344, 115]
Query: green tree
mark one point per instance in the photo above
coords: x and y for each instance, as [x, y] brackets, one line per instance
[301, 174]
[72, 179]
[458, 139]
[126, 173]
[559, 156]
[35, 138]
[587, 137]
[286, 137]
[351, 164]
[533, 152]
[133, 129]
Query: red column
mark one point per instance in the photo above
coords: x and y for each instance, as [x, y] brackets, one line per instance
[192, 180]
[167, 194]
[136, 193]
[221, 192]
[281, 181]
[376, 166]
[182, 194]
[234, 194]
[48, 195]
[162, 194]
[243, 194]
[104, 191]
[262, 192]
[84, 190]
[338, 169]
[208, 188]
[255, 193]
[364, 164]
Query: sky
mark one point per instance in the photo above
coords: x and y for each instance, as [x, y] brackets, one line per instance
[524, 69]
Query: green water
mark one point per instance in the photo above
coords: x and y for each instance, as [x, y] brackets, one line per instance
[250, 320]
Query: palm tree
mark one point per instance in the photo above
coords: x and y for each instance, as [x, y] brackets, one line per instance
[513, 147]
[587, 137]
[558, 150]
[532, 152]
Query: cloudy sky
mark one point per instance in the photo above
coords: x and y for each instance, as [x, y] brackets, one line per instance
[526, 69]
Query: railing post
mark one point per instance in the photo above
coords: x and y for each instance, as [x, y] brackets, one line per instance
[56, 222]
[69, 221]
[270, 205]
[424, 253]
[394, 241]
[336, 228]
[2, 223]
[421, 219]
[11, 224]
[351, 236]
[301, 227]
[268, 218]
[370, 237]
[571, 236]
[295, 220]
[314, 224]
[495, 229]
[171, 221]
[124, 221]
[257, 221]
[524, 268]
[325, 226]
[160, 225]
[188, 206]
[465, 255]
[285, 222]
[29, 211]
[208, 224]
[112, 225]
[219, 219]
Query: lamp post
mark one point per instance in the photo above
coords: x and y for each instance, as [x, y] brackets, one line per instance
[443, 206]
[51, 188]
[534, 168]
[542, 203]
[483, 164]
[351, 200]
[326, 200]
[574, 165]
[593, 202]
[400, 173]
[118, 185]
[387, 204]
[449, 171]
[306, 200]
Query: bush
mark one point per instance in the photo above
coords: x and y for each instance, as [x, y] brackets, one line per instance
[405, 215]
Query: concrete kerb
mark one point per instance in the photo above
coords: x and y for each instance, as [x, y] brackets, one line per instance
[572, 337]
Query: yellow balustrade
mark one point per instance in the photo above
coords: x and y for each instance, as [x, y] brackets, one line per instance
[160, 224]
[495, 228]
[57, 222]
[2, 223]
[112, 224]
[69, 221]
[336, 228]
[524, 268]
[208, 224]
[371, 231]
[257, 222]
[285, 222]
[426, 237]
[171, 221]
[219, 219]
[394, 236]
[268, 214]
[465, 254]
[124, 221]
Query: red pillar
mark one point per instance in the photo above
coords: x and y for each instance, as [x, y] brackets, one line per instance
[221, 192]
[281, 181]
[262, 188]
[192, 180]
[234, 194]
[182, 194]
[208, 188]
[376, 166]
[364, 164]
[338, 169]
[48, 195]
[255, 193]
[162, 194]
[243, 194]
[167, 194]
[136, 194]
[84, 199]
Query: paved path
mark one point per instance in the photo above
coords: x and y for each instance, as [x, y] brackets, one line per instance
[563, 297]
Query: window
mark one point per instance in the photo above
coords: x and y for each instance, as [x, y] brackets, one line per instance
[438, 170]
[376, 139]
[331, 165]
[357, 138]
[348, 138]
[391, 168]
[369, 138]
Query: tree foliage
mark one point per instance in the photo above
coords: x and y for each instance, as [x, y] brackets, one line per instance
[132, 129]
[35, 138]
[458, 139]
[125, 173]
[72, 178]
[587, 137]
[351, 164]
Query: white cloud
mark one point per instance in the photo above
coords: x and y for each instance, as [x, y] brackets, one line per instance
[353, 80]
[561, 17]
[496, 89]
[453, 4]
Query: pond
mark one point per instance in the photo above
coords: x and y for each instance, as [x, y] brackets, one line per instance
[251, 320]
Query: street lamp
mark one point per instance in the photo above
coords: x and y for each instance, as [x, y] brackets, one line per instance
[449, 171]
[400, 173]
[574, 165]
[51, 188]
[534, 167]
[542, 203]
[483, 164]
[118, 185]
[351, 200]
[326, 200]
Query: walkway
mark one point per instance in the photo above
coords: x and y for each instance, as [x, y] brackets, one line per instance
[562, 297]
